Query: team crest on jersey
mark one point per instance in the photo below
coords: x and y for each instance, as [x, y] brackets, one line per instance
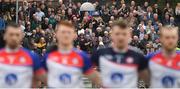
[75, 61]
[158, 60]
[22, 60]
[65, 78]
[168, 81]
[11, 79]
[129, 60]
[116, 78]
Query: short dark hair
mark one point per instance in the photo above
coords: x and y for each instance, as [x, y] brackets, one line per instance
[12, 24]
[65, 23]
[121, 23]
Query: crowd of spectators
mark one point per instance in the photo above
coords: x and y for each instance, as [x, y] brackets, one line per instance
[38, 21]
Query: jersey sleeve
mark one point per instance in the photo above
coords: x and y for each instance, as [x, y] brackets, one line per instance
[52, 48]
[87, 68]
[152, 54]
[44, 61]
[95, 58]
[143, 63]
[149, 56]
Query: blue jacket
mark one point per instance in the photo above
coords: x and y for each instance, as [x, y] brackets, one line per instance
[2, 24]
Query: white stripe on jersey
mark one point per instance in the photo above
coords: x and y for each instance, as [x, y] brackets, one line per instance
[63, 76]
[164, 77]
[12, 76]
[117, 76]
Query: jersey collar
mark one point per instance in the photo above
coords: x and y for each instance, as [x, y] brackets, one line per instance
[9, 50]
[65, 51]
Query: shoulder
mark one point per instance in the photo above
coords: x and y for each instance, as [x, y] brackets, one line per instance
[30, 53]
[2, 50]
[81, 53]
[152, 54]
[54, 53]
[135, 53]
[135, 49]
[178, 52]
[27, 51]
[51, 48]
[104, 50]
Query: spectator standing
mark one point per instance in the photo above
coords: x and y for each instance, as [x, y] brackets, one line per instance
[39, 14]
[2, 28]
[2, 24]
[101, 44]
[106, 39]
[135, 42]
[177, 13]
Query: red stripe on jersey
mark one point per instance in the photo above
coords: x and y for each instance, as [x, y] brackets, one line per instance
[173, 63]
[72, 59]
[17, 58]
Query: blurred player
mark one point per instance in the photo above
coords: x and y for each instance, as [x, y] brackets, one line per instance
[18, 66]
[165, 64]
[119, 65]
[65, 64]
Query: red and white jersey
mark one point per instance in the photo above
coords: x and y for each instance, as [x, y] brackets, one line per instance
[17, 68]
[65, 69]
[165, 73]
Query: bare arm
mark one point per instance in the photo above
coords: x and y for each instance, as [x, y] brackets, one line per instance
[95, 78]
[39, 78]
[42, 78]
[144, 75]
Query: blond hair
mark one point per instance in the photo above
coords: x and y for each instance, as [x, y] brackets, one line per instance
[168, 27]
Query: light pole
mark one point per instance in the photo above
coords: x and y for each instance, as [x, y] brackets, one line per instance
[17, 9]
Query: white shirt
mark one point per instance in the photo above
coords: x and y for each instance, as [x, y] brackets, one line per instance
[39, 15]
[141, 36]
